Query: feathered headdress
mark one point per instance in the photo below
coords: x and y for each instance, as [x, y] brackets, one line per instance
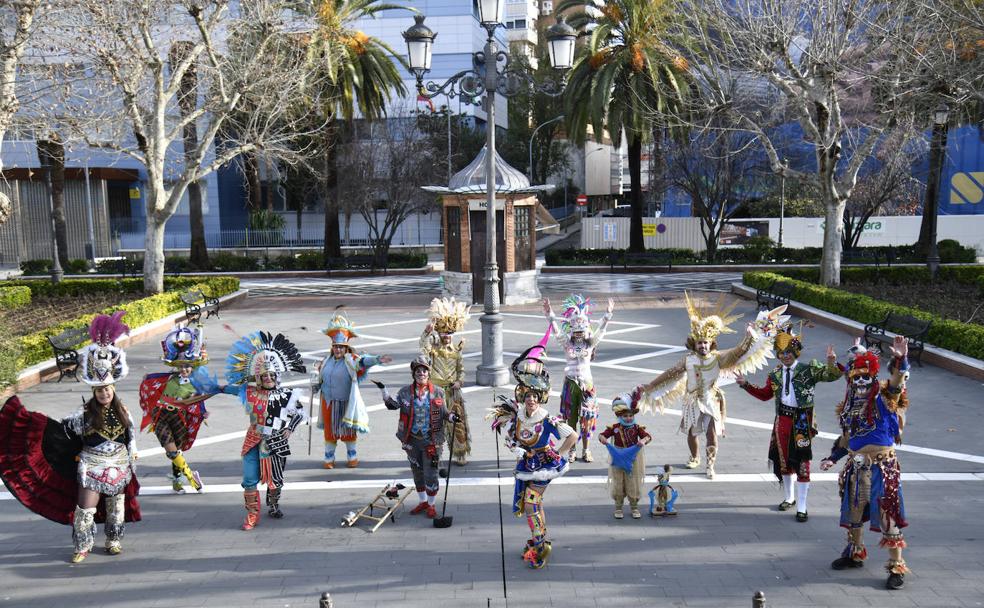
[788, 341]
[770, 322]
[576, 311]
[102, 362]
[184, 346]
[707, 323]
[260, 352]
[340, 329]
[448, 315]
[627, 402]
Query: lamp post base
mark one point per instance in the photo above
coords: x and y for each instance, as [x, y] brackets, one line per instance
[492, 371]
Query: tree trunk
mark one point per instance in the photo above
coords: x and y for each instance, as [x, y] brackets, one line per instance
[252, 175]
[187, 102]
[54, 151]
[332, 246]
[832, 241]
[636, 242]
[199, 248]
[153, 267]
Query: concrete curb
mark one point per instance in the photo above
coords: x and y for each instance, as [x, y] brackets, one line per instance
[940, 357]
[705, 268]
[39, 372]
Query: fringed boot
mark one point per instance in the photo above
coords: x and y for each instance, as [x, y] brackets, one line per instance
[180, 464]
[252, 499]
[711, 454]
[83, 533]
[273, 503]
[114, 524]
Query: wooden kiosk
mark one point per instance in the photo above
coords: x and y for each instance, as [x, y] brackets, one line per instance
[463, 213]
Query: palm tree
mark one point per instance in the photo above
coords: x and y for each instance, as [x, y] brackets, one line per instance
[626, 80]
[361, 74]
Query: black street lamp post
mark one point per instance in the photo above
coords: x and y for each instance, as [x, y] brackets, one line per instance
[490, 75]
[57, 274]
[931, 207]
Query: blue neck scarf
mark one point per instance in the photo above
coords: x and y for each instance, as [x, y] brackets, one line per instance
[627, 424]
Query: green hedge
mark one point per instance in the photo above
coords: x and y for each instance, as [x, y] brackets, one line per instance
[14, 297]
[964, 338]
[35, 347]
[897, 275]
[42, 288]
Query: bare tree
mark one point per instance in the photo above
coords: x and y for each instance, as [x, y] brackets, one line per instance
[250, 75]
[17, 23]
[384, 172]
[828, 64]
[719, 172]
[886, 188]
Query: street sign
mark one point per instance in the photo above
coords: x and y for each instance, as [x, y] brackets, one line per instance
[649, 230]
[582, 199]
[609, 232]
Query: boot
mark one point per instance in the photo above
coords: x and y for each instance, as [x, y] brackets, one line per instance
[179, 463]
[711, 453]
[693, 463]
[538, 554]
[273, 503]
[83, 533]
[175, 478]
[586, 455]
[252, 499]
[114, 526]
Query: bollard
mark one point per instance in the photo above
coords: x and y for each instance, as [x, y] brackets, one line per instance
[758, 600]
[326, 601]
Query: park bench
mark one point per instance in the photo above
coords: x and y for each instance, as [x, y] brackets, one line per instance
[649, 258]
[774, 295]
[353, 261]
[913, 329]
[197, 302]
[861, 257]
[64, 345]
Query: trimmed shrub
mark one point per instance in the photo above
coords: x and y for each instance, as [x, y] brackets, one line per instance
[35, 267]
[964, 338]
[14, 297]
[35, 347]
[227, 262]
[410, 259]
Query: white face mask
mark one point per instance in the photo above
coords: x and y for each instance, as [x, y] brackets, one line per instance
[862, 384]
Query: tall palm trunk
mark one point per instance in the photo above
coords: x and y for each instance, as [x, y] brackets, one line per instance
[329, 193]
[53, 151]
[187, 102]
[636, 242]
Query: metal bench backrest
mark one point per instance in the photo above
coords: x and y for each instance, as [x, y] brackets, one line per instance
[70, 338]
[192, 296]
[906, 325]
[783, 289]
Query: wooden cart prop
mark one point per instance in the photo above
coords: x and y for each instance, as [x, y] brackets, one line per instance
[388, 500]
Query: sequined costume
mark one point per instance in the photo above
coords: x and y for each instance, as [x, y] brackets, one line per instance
[792, 388]
[693, 381]
[274, 413]
[574, 334]
[343, 414]
[447, 367]
[173, 403]
[538, 441]
[872, 419]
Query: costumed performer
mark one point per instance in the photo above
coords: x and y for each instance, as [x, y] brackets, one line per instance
[530, 432]
[792, 385]
[173, 403]
[580, 344]
[447, 369]
[253, 370]
[872, 418]
[423, 414]
[625, 440]
[343, 412]
[81, 470]
[693, 381]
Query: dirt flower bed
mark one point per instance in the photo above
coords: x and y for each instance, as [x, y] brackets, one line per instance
[47, 312]
[949, 299]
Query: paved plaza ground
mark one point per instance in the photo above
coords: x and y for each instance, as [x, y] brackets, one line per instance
[728, 541]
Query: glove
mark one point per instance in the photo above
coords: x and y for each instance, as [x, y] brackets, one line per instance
[518, 452]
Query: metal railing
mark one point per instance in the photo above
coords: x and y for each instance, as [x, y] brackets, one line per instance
[286, 237]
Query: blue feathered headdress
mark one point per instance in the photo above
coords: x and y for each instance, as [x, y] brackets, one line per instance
[261, 352]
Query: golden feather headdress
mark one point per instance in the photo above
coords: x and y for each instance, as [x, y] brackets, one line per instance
[448, 315]
[708, 322]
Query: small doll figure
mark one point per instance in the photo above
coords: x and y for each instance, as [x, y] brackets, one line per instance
[663, 496]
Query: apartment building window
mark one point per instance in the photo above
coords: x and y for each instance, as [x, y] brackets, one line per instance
[516, 24]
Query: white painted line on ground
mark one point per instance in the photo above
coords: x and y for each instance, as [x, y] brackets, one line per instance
[507, 480]
[656, 353]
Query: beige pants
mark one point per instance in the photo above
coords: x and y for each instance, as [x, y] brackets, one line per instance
[628, 485]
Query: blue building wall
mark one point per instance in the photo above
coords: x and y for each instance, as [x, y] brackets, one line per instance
[962, 181]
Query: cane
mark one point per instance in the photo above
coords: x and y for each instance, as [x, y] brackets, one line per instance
[311, 416]
[444, 521]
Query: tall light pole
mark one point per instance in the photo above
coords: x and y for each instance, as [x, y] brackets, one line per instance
[57, 274]
[937, 151]
[489, 81]
[538, 127]
[782, 199]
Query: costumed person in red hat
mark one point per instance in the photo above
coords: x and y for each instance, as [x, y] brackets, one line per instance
[343, 412]
[531, 434]
[872, 417]
[574, 334]
[791, 385]
[693, 382]
[447, 367]
[81, 470]
[253, 369]
[624, 441]
[173, 403]
[423, 414]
